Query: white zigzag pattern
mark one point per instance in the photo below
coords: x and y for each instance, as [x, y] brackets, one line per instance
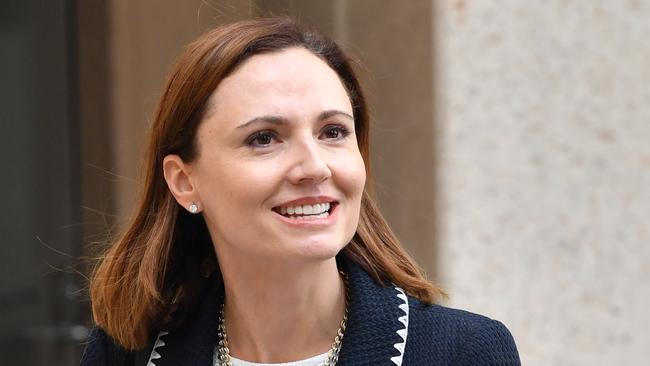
[404, 319]
[154, 353]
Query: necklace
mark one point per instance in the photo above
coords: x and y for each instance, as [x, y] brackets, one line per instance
[332, 355]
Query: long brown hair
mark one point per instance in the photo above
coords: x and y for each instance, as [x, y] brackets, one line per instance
[154, 272]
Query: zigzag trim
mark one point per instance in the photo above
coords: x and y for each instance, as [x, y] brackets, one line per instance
[154, 353]
[403, 333]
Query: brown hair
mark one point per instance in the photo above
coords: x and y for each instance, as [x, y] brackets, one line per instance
[152, 275]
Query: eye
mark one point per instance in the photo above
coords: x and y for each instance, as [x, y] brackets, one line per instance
[261, 139]
[335, 132]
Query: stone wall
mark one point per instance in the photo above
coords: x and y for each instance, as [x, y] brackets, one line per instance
[543, 128]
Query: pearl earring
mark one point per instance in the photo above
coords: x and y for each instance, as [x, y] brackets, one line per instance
[194, 208]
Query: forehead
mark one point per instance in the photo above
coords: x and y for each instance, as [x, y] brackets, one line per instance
[279, 81]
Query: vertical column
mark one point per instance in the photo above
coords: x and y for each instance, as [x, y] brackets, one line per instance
[543, 116]
[394, 43]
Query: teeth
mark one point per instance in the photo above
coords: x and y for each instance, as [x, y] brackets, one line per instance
[315, 210]
[324, 215]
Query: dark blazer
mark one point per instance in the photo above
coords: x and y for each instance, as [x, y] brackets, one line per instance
[385, 327]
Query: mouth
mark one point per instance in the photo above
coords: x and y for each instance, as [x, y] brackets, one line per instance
[316, 211]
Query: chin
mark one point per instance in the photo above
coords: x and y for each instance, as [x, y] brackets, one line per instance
[319, 251]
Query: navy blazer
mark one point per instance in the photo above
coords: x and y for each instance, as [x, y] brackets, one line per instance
[385, 327]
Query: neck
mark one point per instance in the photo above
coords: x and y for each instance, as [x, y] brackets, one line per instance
[281, 312]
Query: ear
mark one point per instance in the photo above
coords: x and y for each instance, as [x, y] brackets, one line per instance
[178, 176]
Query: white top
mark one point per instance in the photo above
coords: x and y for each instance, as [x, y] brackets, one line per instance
[312, 361]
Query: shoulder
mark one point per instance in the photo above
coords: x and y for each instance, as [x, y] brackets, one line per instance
[464, 338]
[102, 350]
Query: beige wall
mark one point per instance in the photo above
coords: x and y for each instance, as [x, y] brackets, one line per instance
[544, 184]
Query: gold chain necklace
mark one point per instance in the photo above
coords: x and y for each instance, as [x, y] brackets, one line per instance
[332, 355]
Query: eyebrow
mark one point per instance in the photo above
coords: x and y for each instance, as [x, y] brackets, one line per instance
[279, 120]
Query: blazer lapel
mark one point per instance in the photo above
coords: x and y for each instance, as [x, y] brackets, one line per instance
[193, 343]
[377, 322]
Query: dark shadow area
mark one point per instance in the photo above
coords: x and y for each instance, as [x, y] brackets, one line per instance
[43, 310]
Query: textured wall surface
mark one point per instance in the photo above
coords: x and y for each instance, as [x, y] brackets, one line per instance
[543, 117]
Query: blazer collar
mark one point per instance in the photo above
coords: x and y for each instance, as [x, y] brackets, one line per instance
[376, 332]
[193, 343]
[377, 322]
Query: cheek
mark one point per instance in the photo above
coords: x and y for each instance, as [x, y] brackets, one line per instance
[352, 175]
[231, 185]
[232, 195]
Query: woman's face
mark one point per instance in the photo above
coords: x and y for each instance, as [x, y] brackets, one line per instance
[279, 173]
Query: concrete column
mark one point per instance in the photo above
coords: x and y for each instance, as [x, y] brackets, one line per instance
[544, 175]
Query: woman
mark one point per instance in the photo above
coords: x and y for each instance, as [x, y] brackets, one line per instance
[257, 239]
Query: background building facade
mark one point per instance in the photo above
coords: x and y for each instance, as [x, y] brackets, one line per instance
[511, 154]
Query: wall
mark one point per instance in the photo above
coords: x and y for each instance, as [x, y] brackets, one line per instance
[544, 173]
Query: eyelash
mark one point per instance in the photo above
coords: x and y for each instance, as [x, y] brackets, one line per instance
[253, 139]
[343, 131]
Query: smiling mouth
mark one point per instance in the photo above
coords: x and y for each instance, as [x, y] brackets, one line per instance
[307, 212]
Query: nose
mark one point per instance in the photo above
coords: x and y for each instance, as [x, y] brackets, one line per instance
[310, 164]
